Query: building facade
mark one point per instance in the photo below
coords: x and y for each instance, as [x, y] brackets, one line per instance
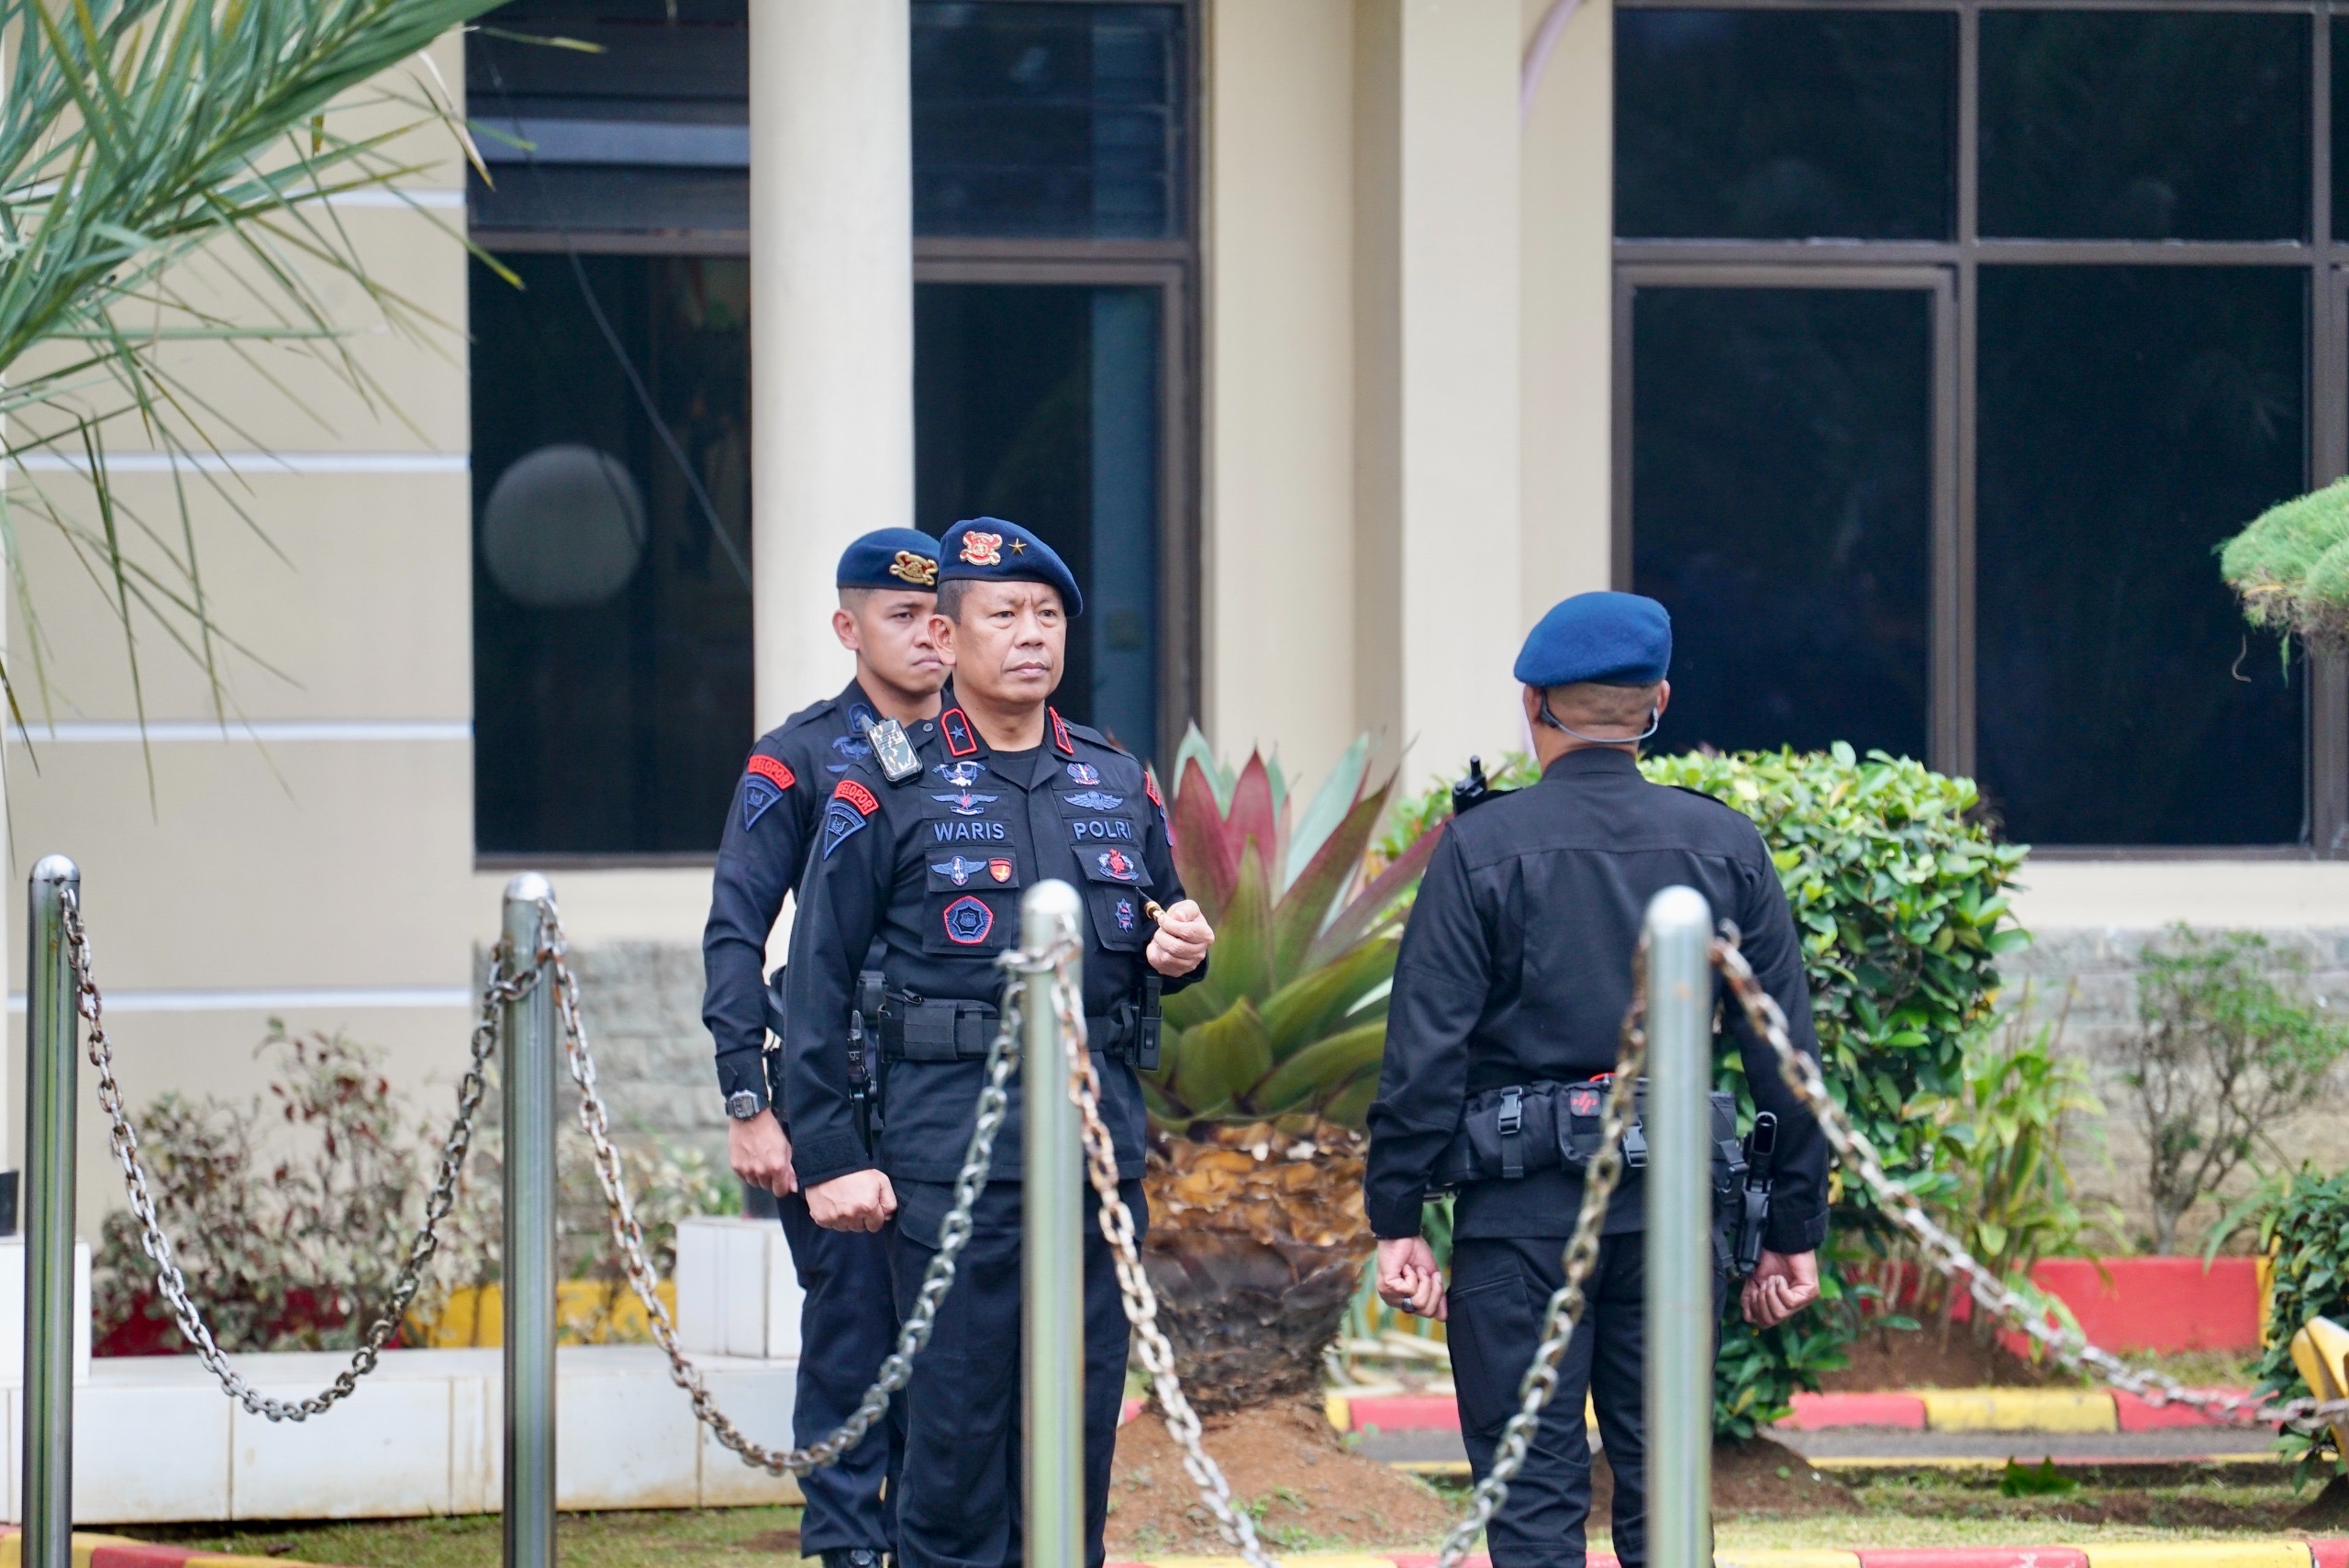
[1915, 352]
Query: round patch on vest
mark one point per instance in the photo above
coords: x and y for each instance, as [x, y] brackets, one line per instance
[968, 921]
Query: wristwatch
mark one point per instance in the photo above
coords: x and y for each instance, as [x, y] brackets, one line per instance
[742, 1105]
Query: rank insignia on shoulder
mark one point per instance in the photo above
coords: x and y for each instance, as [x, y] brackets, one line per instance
[1149, 789]
[1060, 733]
[955, 725]
[1085, 774]
[893, 751]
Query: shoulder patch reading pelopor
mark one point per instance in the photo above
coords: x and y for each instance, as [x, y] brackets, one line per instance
[763, 784]
[856, 794]
[851, 808]
[774, 769]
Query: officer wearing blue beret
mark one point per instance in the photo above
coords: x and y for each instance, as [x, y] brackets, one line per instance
[911, 896]
[1509, 991]
[888, 586]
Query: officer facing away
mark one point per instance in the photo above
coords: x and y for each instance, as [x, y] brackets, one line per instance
[888, 583]
[912, 895]
[1509, 993]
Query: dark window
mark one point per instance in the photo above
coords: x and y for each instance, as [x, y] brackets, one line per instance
[1039, 404]
[611, 605]
[1766, 125]
[2144, 125]
[2340, 127]
[1048, 120]
[2132, 419]
[1781, 485]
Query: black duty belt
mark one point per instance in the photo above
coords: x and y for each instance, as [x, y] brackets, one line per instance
[931, 1029]
[1508, 1134]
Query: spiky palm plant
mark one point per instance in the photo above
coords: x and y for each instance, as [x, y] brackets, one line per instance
[1257, 1234]
[156, 156]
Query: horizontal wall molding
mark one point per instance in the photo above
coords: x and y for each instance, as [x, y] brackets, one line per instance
[328, 997]
[246, 464]
[183, 731]
[437, 200]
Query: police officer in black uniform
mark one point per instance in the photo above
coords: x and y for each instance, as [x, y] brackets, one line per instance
[888, 582]
[912, 895]
[1509, 993]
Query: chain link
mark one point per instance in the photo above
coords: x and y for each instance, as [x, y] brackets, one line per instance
[1003, 1056]
[503, 986]
[2069, 1347]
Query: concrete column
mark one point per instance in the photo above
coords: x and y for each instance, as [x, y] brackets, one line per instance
[1437, 575]
[832, 320]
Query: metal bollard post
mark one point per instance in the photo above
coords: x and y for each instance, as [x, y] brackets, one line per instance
[52, 1051]
[528, 1087]
[1679, 1238]
[1051, 1249]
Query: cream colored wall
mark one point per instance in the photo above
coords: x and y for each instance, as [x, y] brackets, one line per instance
[1279, 493]
[316, 866]
[1567, 193]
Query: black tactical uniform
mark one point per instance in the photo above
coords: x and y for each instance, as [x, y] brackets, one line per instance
[919, 884]
[847, 1321]
[1516, 970]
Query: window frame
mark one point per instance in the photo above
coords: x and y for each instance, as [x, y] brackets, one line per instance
[2323, 259]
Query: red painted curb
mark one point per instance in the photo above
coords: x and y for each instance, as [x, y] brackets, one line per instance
[2137, 1414]
[1478, 1559]
[1406, 1413]
[1816, 1412]
[144, 1556]
[2330, 1553]
[1974, 1557]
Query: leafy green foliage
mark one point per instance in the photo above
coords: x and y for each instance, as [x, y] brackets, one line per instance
[2003, 1185]
[156, 155]
[2227, 1046]
[2290, 567]
[2305, 1230]
[1898, 888]
[1292, 1016]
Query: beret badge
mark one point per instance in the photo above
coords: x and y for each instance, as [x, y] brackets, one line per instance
[918, 569]
[982, 549]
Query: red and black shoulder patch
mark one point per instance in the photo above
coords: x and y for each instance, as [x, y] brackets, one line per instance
[856, 794]
[1149, 789]
[774, 770]
[1060, 733]
[955, 725]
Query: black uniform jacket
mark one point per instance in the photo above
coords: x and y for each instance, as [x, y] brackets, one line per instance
[935, 868]
[1516, 967]
[778, 808]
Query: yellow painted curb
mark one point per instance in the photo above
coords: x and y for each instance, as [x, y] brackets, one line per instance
[1983, 1461]
[2018, 1411]
[1785, 1557]
[2201, 1554]
[1340, 1411]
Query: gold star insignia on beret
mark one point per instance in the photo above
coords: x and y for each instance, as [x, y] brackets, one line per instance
[1019, 547]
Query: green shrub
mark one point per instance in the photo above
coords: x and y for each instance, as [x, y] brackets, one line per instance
[1898, 887]
[2290, 568]
[2305, 1230]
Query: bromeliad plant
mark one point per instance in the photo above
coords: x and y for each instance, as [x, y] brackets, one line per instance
[1268, 1066]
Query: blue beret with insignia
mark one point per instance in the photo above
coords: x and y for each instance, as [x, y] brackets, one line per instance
[891, 557]
[1615, 639]
[989, 549]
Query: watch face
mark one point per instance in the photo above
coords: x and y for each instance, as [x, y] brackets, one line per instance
[742, 1105]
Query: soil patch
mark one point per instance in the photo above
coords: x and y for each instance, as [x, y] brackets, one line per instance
[1286, 1467]
[1759, 1476]
[2329, 1510]
[1928, 1358]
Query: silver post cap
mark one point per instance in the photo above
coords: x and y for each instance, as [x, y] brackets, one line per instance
[1048, 912]
[1679, 909]
[58, 868]
[529, 888]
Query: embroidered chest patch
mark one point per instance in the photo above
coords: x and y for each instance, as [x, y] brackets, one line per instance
[1103, 828]
[1094, 800]
[962, 832]
[962, 803]
[968, 921]
[1118, 865]
[1085, 774]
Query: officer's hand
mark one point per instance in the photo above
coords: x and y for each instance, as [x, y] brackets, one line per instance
[1183, 939]
[861, 1200]
[1783, 1284]
[1409, 1279]
[759, 1151]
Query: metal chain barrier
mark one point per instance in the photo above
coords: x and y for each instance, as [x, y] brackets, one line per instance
[2069, 1347]
[1534, 1391]
[504, 986]
[1003, 1055]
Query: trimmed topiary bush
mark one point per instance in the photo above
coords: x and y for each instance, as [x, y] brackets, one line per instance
[2290, 567]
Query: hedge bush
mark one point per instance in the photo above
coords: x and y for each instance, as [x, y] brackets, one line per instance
[2306, 1232]
[1898, 885]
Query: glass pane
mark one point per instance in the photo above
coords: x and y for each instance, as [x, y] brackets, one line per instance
[1040, 404]
[1763, 125]
[2127, 125]
[1048, 120]
[611, 606]
[1782, 510]
[2340, 127]
[2132, 418]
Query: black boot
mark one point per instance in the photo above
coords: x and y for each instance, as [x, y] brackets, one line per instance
[856, 1557]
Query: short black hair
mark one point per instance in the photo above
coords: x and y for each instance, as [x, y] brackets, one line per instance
[951, 595]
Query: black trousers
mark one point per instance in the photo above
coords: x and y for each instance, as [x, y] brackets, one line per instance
[959, 1505]
[847, 1324]
[1499, 1291]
